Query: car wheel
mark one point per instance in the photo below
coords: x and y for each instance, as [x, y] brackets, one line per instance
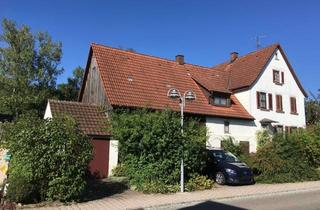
[220, 178]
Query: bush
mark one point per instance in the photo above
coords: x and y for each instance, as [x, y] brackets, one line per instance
[263, 137]
[151, 147]
[52, 156]
[21, 187]
[197, 182]
[288, 158]
[229, 144]
[119, 170]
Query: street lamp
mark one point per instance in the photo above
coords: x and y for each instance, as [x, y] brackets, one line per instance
[189, 96]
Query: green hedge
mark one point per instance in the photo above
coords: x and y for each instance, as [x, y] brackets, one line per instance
[151, 145]
[289, 158]
[49, 159]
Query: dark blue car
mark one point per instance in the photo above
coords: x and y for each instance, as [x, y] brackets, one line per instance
[227, 168]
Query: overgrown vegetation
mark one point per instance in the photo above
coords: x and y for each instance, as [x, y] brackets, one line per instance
[284, 157]
[230, 144]
[263, 137]
[313, 109]
[288, 157]
[49, 159]
[151, 147]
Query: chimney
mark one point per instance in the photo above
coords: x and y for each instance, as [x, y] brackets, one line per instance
[233, 56]
[180, 59]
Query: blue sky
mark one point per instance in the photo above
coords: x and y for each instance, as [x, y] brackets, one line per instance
[204, 31]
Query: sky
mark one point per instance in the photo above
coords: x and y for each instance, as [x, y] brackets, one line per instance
[205, 32]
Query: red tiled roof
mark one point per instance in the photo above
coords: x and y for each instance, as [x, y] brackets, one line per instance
[90, 118]
[137, 80]
[245, 70]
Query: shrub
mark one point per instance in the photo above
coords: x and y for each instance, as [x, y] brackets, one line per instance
[197, 182]
[287, 158]
[55, 156]
[263, 137]
[229, 144]
[151, 147]
[119, 170]
[21, 187]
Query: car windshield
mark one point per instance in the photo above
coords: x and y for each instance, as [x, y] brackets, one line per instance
[225, 156]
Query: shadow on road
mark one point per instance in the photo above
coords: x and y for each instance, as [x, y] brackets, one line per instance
[209, 205]
[101, 188]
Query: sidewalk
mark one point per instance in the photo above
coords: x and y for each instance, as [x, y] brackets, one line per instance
[135, 200]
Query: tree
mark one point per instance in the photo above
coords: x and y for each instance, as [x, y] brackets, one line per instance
[70, 91]
[313, 109]
[29, 66]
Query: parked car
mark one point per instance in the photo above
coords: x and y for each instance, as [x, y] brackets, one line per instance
[226, 168]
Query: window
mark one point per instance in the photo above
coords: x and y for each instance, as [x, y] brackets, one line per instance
[293, 105]
[279, 129]
[276, 76]
[261, 100]
[270, 101]
[279, 103]
[226, 127]
[221, 101]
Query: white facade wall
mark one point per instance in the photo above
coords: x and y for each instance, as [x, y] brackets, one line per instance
[243, 130]
[48, 113]
[289, 89]
[113, 155]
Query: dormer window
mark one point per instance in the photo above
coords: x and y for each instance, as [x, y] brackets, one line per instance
[221, 99]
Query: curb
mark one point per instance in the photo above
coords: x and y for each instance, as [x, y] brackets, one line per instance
[195, 202]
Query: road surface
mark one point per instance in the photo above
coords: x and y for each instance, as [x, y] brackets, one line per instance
[306, 200]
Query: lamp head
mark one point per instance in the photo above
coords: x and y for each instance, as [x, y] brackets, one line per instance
[190, 95]
[173, 93]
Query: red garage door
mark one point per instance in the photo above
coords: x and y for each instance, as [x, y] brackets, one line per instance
[99, 165]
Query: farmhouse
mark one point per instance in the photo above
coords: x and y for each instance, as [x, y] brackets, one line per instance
[237, 98]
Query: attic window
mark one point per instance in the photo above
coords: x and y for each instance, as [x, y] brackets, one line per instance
[276, 56]
[221, 101]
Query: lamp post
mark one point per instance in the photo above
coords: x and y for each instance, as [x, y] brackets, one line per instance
[189, 96]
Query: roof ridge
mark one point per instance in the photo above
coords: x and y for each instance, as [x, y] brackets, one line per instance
[72, 102]
[247, 54]
[151, 56]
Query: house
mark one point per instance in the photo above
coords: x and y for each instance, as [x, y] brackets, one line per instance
[236, 98]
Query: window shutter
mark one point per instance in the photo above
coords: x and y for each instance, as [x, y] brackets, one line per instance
[274, 76]
[277, 103]
[282, 77]
[291, 105]
[280, 98]
[258, 100]
[270, 101]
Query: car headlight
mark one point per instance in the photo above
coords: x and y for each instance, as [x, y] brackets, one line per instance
[230, 171]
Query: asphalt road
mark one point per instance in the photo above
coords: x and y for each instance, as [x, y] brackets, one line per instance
[287, 201]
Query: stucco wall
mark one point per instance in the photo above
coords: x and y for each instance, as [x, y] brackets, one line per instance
[288, 89]
[246, 130]
[241, 130]
[113, 155]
